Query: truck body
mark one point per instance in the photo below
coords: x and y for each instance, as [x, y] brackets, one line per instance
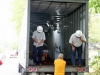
[59, 19]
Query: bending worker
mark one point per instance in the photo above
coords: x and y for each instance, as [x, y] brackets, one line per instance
[76, 41]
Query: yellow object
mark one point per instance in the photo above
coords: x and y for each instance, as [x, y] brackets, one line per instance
[59, 67]
[44, 56]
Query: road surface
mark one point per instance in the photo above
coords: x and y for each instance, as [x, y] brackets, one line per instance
[9, 67]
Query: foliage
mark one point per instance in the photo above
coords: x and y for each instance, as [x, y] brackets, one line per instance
[94, 21]
[94, 28]
[1, 49]
[89, 74]
[94, 4]
[95, 64]
[18, 11]
[15, 45]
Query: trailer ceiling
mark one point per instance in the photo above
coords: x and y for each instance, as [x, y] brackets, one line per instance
[56, 10]
[53, 7]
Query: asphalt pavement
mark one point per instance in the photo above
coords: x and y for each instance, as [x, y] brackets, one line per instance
[9, 67]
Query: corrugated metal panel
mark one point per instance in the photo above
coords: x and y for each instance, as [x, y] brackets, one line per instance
[76, 21]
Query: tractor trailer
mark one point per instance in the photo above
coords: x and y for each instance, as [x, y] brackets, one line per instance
[59, 19]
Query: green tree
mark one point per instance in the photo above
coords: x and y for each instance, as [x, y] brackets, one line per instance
[94, 28]
[18, 7]
[94, 20]
[94, 4]
[14, 46]
[95, 64]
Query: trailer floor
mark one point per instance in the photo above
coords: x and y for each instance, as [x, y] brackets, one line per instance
[53, 65]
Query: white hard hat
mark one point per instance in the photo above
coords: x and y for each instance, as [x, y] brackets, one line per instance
[40, 29]
[78, 33]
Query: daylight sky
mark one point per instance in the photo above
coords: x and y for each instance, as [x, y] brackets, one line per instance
[7, 32]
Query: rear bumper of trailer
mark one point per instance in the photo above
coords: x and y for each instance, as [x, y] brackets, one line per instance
[51, 69]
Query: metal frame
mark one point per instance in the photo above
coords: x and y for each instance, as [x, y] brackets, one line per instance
[28, 32]
[51, 68]
[86, 51]
[82, 1]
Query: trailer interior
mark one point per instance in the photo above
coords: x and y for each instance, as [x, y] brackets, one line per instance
[59, 20]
